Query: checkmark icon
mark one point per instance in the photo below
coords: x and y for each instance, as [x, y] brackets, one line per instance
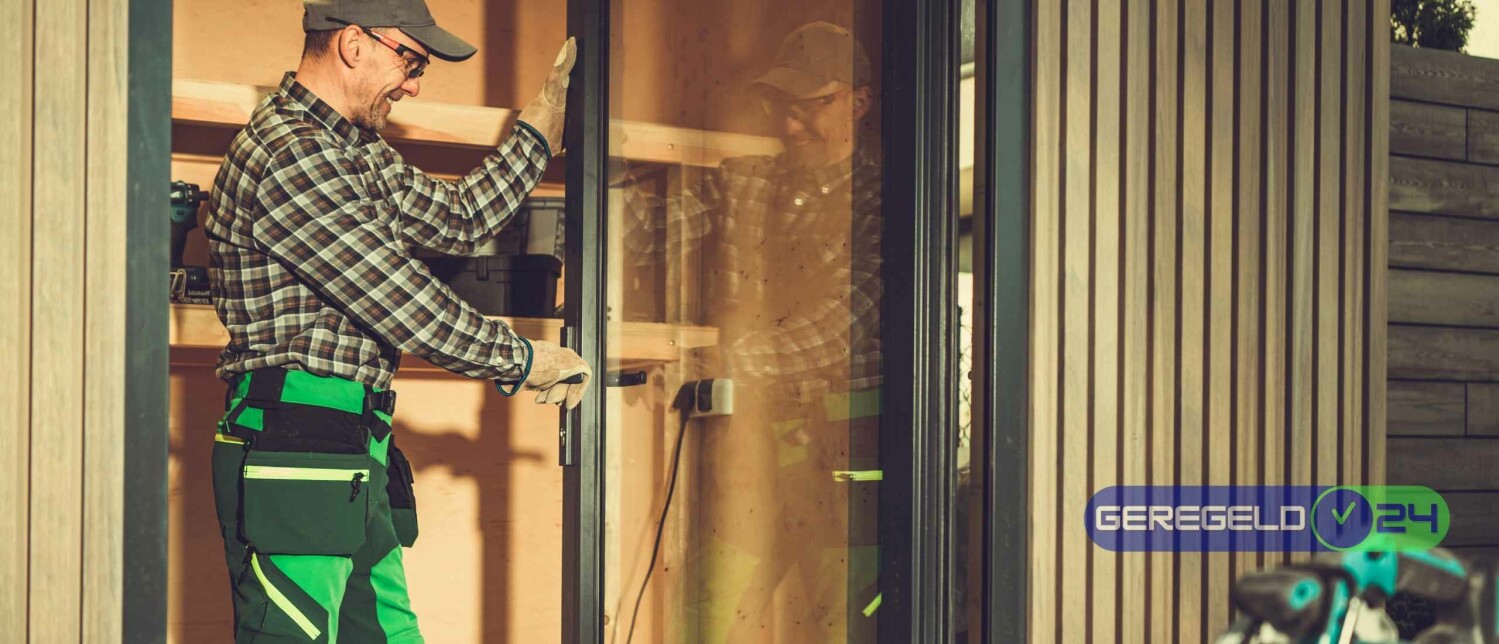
[1343, 518]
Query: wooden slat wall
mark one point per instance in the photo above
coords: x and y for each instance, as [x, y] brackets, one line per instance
[1444, 285]
[62, 336]
[1207, 281]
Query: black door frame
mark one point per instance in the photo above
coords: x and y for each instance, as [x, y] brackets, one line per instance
[1001, 336]
[919, 110]
[143, 569]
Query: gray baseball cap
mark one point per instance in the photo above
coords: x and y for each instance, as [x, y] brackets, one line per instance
[813, 56]
[410, 16]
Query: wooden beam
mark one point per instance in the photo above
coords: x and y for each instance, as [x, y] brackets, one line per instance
[1475, 521]
[1430, 462]
[1444, 77]
[230, 105]
[1439, 353]
[1444, 187]
[1426, 130]
[1421, 241]
[1427, 408]
[1455, 299]
[1483, 136]
[1483, 409]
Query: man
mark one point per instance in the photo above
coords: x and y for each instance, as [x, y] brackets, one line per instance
[793, 275]
[311, 226]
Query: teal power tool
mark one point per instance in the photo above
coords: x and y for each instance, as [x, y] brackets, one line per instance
[1340, 598]
[189, 284]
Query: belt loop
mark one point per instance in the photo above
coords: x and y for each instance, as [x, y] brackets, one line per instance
[383, 401]
[265, 387]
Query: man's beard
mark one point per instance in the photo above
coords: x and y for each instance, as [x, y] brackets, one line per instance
[373, 118]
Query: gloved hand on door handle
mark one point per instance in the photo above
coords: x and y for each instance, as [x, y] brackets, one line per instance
[558, 374]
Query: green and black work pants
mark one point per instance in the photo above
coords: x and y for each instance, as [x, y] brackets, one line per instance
[315, 504]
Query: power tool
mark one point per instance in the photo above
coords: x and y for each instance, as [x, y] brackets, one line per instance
[1341, 598]
[189, 284]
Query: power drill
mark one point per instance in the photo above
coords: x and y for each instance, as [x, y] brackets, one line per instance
[189, 284]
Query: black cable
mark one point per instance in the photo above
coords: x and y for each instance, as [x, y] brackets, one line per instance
[683, 404]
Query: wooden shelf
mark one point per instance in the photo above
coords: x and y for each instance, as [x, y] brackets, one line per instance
[641, 344]
[466, 126]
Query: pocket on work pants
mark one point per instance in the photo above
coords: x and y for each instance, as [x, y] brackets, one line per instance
[399, 486]
[303, 503]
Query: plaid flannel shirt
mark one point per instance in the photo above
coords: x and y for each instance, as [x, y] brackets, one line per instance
[797, 249]
[310, 229]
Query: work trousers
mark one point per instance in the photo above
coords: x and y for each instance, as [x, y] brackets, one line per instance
[314, 502]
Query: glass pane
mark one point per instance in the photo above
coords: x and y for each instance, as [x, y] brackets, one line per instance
[744, 247]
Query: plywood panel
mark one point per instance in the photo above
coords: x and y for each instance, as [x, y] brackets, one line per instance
[1429, 462]
[1418, 241]
[1438, 353]
[1442, 187]
[1483, 136]
[1375, 350]
[1136, 278]
[1443, 77]
[1483, 409]
[15, 319]
[1427, 408]
[57, 322]
[1454, 299]
[1427, 130]
[1249, 421]
[1219, 430]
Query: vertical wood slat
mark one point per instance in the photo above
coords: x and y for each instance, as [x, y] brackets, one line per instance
[1301, 226]
[1326, 373]
[1275, 169]
[1352, 334]
[1192, 283]
[57, 321]
[1228, 302]
[1248, 220]
[1045, 609]
[1075, 354]
[1220, 300]
[1163, 423]
[16, 44]
[1376, 330]
[1107, 219]
[104, 334]
[1137, 230]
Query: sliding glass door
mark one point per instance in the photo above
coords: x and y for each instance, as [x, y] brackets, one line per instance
[760, 216]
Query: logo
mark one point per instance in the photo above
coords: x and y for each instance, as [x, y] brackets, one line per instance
[1251, 518]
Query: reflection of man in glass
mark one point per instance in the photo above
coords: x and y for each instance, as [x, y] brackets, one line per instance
[792, 281]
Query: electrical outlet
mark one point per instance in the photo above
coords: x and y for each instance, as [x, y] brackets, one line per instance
[713, 397]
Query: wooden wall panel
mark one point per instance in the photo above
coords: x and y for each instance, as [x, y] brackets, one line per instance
[16, 40]
[1444, 286]
[62, 337]
[57, 321]
[1205, 281]
[104, 327]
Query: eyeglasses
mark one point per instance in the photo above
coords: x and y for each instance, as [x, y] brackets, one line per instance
[415, 67]
[801, 108]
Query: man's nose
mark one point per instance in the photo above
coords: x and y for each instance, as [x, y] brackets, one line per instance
[412, 86]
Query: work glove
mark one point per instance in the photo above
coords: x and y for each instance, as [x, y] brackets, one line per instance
[558, 375]
[548, 110]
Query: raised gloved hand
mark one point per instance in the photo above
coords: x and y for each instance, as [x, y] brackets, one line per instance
[553, 371]
[548, 110]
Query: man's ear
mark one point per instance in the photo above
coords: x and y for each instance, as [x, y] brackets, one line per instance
[862, 98]
[352, 45]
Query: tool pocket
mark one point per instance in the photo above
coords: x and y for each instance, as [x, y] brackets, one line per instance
[399, 487]
[301, 503]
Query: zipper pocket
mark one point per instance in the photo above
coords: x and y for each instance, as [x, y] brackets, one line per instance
[282, 602]
[277, 473]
